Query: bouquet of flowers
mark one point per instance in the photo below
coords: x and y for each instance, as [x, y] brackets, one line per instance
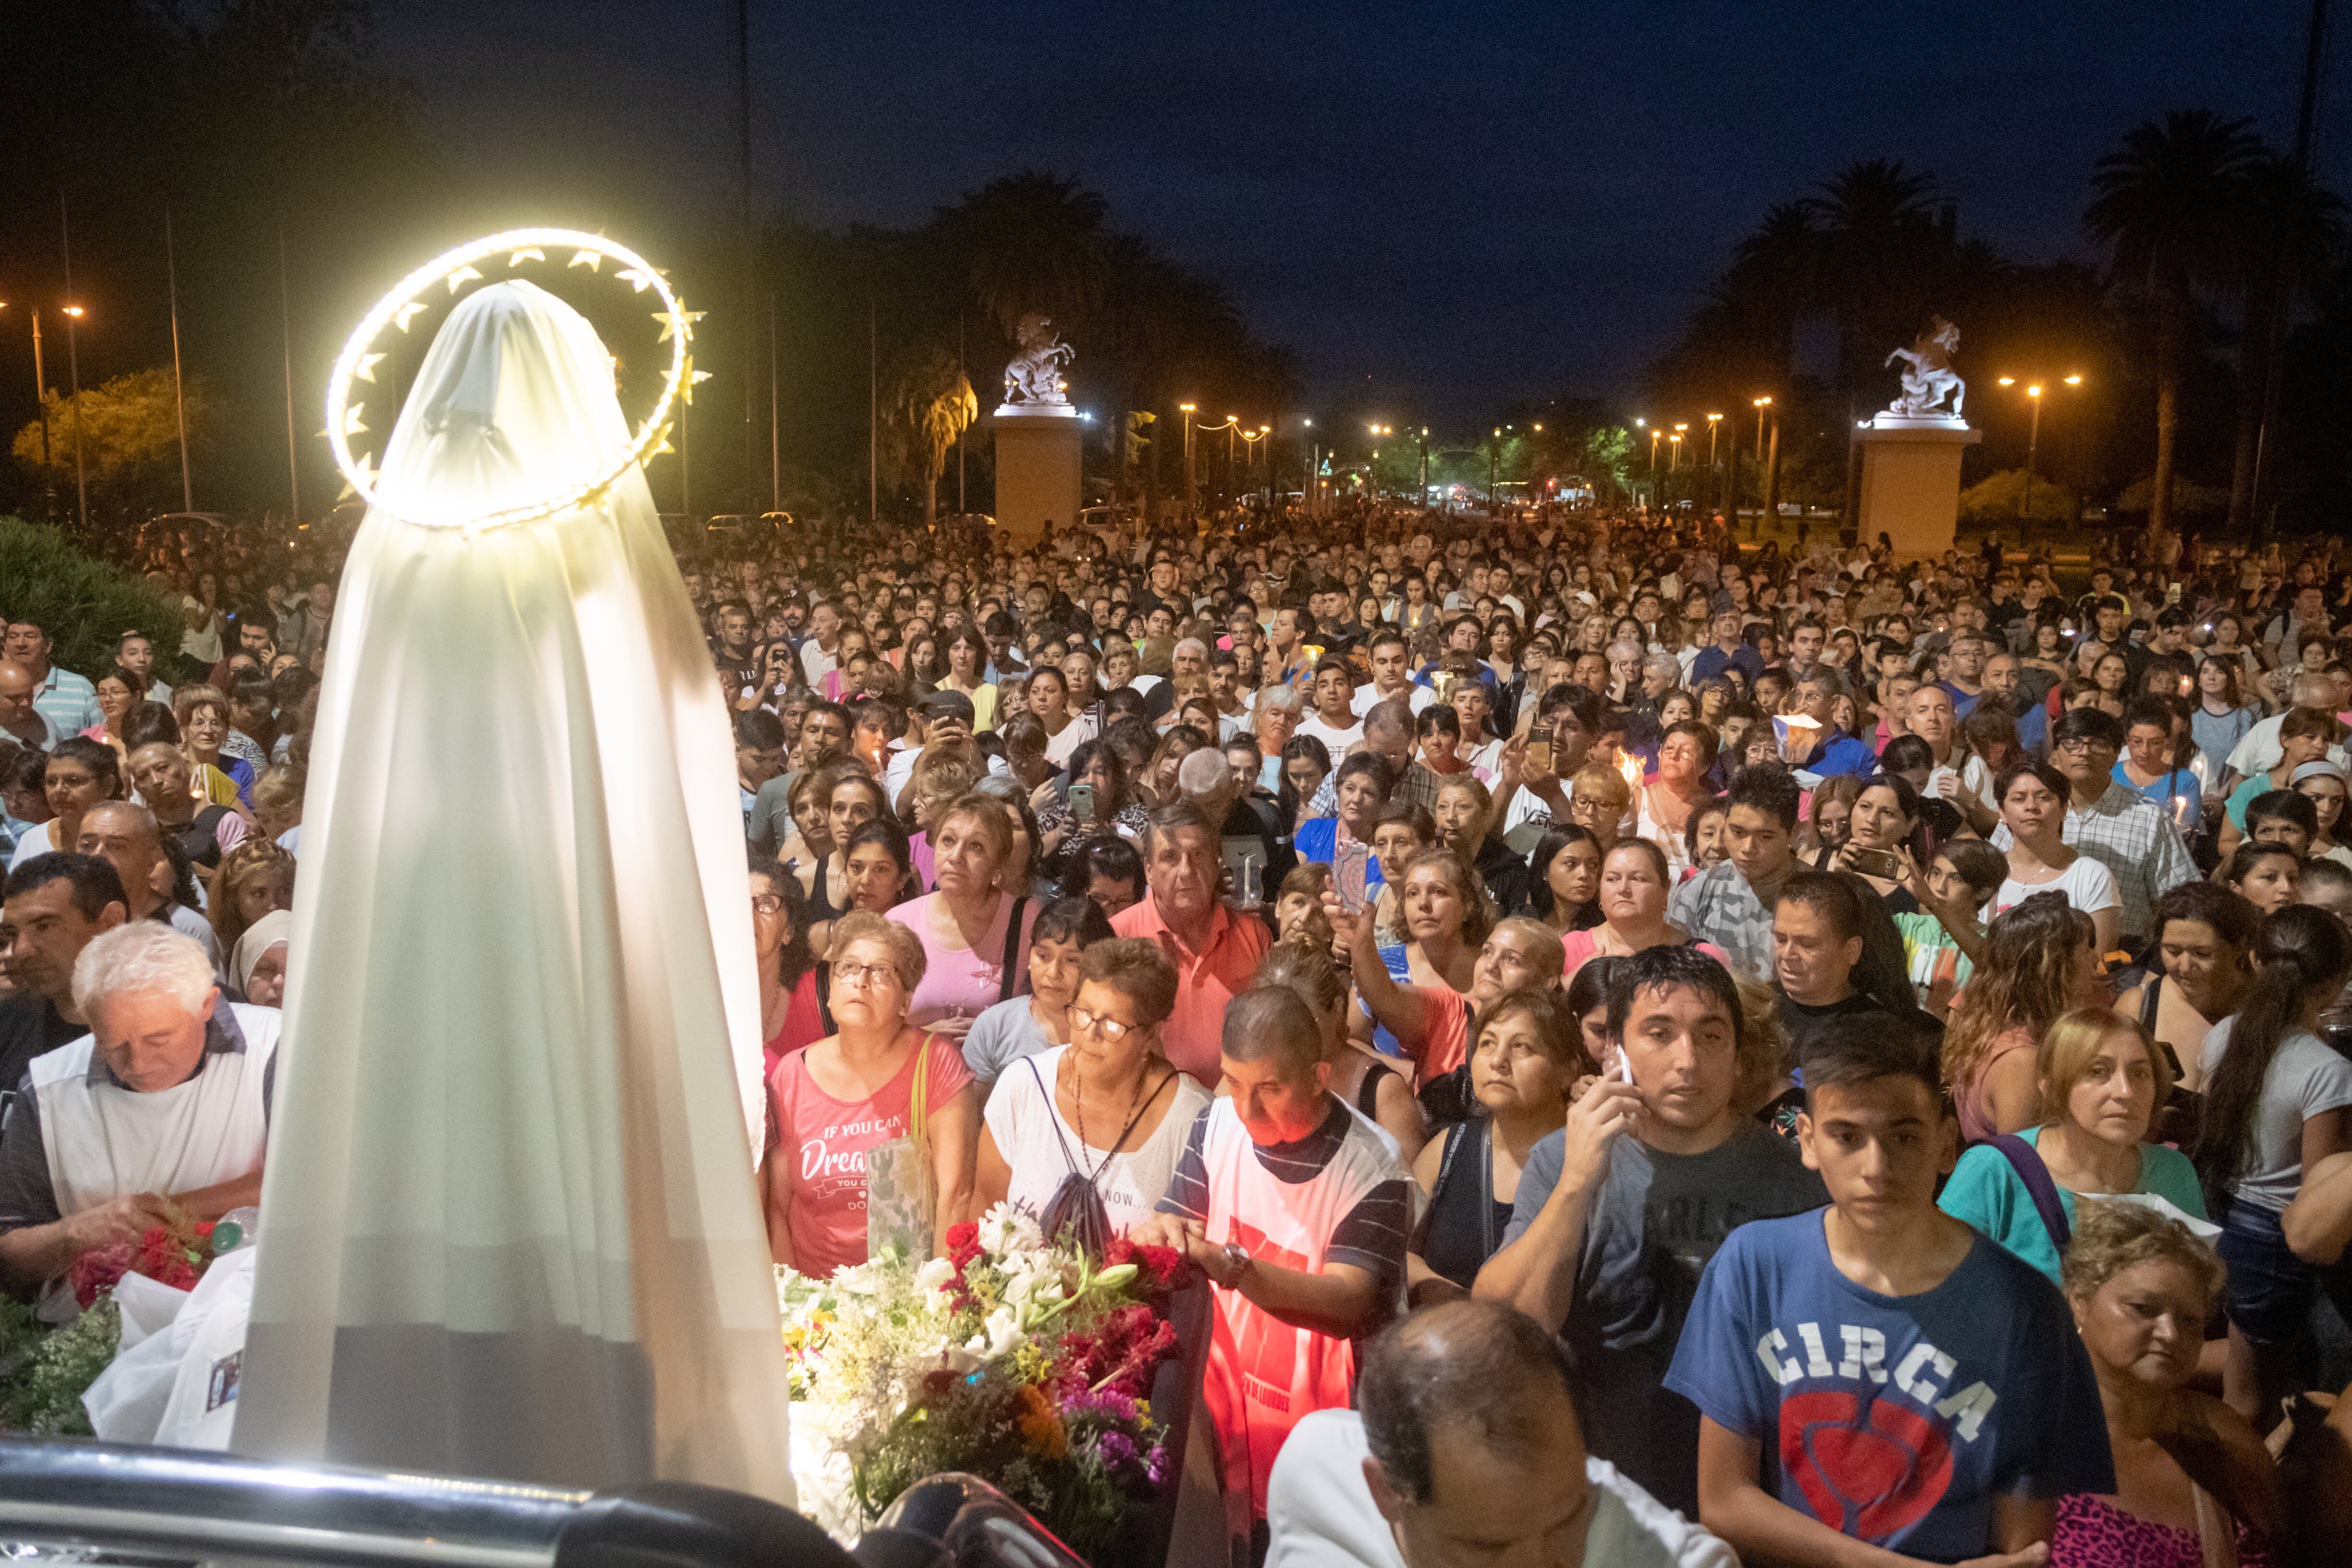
[1022, 1362]
[177, 1255]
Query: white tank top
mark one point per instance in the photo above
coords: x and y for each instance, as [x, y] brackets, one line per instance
[104, 1142]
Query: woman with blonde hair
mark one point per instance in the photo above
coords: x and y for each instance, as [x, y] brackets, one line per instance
[879, 1085]
[1382, 1094]
[202, 713]
[975, 935]
[1598, 800]
[2194, 1486]
[2040, 963]
[255, 878]
[2101, 1080]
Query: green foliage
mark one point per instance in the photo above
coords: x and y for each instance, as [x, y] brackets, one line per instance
[1998, 497]
[84, 603]
[2188, 500]
[43, 1374]
[129, 434]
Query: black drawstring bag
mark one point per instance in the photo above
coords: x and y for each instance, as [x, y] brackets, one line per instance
[1075, 1210]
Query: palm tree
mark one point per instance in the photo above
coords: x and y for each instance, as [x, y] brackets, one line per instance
[2292, 231]
[1030, 242]
[1879, 259]
[2167, 204]
[936, 404]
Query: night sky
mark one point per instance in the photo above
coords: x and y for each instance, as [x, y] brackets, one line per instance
[1446, 207]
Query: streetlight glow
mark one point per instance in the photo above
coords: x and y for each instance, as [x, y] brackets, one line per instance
[73, 310]
[2009, 381]
[2073, 381]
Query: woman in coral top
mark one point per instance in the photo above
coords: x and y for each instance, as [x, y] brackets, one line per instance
[850, 1092]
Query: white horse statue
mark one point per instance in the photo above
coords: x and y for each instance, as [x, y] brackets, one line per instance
[1931, 375]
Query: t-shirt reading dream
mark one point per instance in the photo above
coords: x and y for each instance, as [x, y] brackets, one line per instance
[827, 1139]
[1896, 1420]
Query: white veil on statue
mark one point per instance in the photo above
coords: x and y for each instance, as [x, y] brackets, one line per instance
[509, 1224]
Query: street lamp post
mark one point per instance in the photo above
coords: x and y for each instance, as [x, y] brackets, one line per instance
[1714, 422]
[1494, 450]
[1192, 504]
[41, 406]
[2032, 441]
[73, 370]
[1372, 473]
[1423, 500]
[1764, 480]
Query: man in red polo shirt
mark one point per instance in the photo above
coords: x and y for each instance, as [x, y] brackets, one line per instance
[1216, 950]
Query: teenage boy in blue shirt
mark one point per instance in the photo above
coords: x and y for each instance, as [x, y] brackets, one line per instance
[1923, 1393]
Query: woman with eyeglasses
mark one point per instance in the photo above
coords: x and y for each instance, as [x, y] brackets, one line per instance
[877, 1084]
[1103, 1119]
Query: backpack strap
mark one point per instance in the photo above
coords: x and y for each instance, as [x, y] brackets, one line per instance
[1053, 1119]
[2150, 996]
[1011, 949]
[2026, 1161]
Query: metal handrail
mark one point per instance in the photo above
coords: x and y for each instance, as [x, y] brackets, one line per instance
[181, 1504]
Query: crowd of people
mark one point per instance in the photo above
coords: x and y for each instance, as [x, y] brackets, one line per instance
[1709, 1048]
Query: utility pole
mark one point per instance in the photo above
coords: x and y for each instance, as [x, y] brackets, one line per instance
[73, 364]
[179, 398]
[873, 416]
[41, 400]
[286, 341]
[775, 446]
[1772, 475]
[749, 267]
[2281, 253]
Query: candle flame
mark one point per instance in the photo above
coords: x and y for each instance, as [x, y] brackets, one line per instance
[1633, 771]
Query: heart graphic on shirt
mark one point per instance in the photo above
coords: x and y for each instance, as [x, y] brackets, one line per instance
[1869, 1470]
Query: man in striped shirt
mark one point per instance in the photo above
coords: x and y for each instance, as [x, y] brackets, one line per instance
[1292, 1206]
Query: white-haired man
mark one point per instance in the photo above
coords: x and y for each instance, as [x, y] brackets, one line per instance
[163, 1105]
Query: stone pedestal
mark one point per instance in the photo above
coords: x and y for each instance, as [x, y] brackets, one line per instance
[1036, 467]
[1911, 483]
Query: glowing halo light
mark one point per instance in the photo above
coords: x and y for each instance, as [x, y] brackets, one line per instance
[399, 307]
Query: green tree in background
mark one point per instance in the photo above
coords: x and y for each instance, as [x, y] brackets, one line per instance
[129, 435]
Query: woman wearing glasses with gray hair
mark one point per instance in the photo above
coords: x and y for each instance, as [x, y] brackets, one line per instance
[1105, 1116]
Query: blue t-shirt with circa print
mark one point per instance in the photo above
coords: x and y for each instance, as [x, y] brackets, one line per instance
[1896, 1420]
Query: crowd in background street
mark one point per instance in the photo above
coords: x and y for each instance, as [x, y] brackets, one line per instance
[1879, 1021]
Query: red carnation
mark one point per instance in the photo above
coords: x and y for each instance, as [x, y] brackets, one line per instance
[964, 1243]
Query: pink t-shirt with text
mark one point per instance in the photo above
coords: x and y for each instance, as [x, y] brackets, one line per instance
[827, 1139]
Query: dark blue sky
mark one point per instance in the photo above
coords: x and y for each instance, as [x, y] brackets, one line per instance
[1445, 207]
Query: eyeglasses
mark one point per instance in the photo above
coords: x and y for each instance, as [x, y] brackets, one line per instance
[1111, 1028]
[864, 974]
[766, 904]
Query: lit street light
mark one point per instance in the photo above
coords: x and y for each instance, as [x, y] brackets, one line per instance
[1191, 503]
[73, 370]
[2032, 441]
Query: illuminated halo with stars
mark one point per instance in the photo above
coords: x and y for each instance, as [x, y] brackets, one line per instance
[518, 247]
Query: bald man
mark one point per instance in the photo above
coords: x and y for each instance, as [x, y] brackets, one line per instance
[126, 836]
[1467, 1449]
[20, 720]
[1295, 1210]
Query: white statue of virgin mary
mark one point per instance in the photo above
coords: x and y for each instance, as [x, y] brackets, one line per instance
[509, 1225]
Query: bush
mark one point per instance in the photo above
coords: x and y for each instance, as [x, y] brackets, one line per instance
[1995, 499]
[85, 604]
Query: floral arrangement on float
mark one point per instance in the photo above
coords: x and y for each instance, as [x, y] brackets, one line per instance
[46, 1368]
[1022, 1362]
